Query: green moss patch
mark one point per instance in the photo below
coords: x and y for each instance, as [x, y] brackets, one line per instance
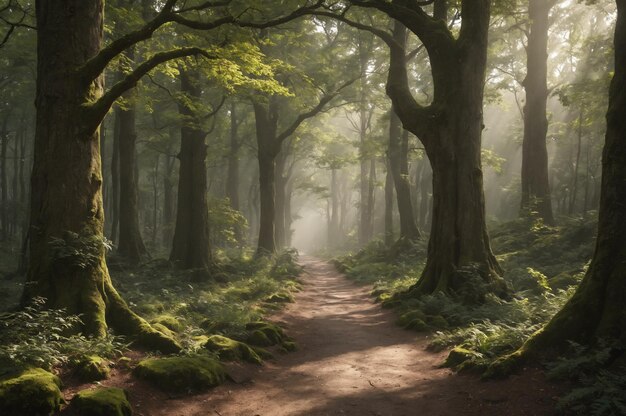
[102, 402]
[459, 356]
[230, 350]
[170, 322]
[33, 392]
[264, 334]
[92, 368]
[181, 374]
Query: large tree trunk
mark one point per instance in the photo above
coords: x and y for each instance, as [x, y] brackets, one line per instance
[130, 244]
[191, 248]
[451, 131]
[66, 199]
[535, 178]
[596, 311]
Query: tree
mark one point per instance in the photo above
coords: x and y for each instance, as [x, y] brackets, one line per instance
[536, 194]
[596, 311]
[191, 248]
[450, 129]
[67, 243]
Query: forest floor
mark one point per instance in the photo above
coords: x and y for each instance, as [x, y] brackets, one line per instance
[352, 360]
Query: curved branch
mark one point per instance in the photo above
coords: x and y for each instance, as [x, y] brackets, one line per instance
[96, 111]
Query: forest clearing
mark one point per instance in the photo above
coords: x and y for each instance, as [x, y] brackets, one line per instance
[312, 207]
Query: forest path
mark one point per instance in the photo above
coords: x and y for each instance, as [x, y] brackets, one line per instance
[353, 360]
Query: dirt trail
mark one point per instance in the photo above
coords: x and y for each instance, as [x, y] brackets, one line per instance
[353, 360]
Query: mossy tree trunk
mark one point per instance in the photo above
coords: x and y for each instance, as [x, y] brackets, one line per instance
[450, 129]
[596, 311]
[536, 196]
[191, 247]
[66, 201]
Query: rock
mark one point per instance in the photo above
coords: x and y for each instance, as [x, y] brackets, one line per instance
[460, 355]
[92, 368]
[181, 374]
[34, 392]
[170, 322]
[264, 334]
[230, 350]
[102, 402]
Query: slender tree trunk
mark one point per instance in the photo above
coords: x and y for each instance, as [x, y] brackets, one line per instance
[399, 166]
[333, 229]
[66, 199]
[426, 184]
[15, 197]
[191, 247]
[279, 202]
[266, 129]
[596, 311]
[130, 244]
[536, 195]
[115, 179]
[232, 187]
[389, 239]
[168, 202]
[4, 191]
[574, 197]
[155, 201]
[288, 216]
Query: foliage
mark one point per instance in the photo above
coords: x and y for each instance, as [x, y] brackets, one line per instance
[80, 250]
[40, 337]
[600, 387]
[244, 290]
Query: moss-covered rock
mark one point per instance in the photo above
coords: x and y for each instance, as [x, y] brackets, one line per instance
[181, 374]
[164, 330]
[92, 368]
[406, 318]
[34, 392]
[102, 402]
[264, 334]
[460, 355]
[170, 322]
[230, 350]
[289, 346]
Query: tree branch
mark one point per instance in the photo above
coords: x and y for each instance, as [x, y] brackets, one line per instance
[97, 110]
[311, 113]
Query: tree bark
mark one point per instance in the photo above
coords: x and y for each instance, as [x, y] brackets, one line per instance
[66, 199]
[191, 247]
[280, 197]
[536, 196]
[168, 201]
[130, 244]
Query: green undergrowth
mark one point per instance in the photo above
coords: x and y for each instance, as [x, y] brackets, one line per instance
[243, 289]
[543, 265]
